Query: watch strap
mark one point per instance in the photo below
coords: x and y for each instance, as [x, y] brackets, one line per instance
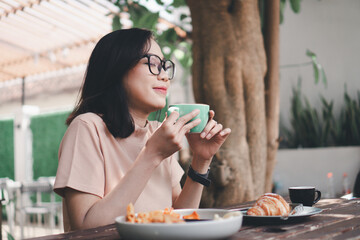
[198, 177]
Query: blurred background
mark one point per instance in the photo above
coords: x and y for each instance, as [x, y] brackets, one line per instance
[45, 45]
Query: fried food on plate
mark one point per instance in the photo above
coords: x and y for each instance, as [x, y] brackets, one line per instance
[157, 216]
[194, 215]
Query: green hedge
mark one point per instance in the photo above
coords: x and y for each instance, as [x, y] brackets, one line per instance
[47, 130]
[7, 148]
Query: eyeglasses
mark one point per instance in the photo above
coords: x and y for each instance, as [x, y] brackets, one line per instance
[155, 64]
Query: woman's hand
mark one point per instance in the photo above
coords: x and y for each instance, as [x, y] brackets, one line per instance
[204, 145]
[168, 138]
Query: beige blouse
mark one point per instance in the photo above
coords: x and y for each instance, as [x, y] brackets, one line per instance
[91, 160]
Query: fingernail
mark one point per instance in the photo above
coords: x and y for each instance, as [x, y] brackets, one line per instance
[208, 136]
[202, 135]
[222, 133]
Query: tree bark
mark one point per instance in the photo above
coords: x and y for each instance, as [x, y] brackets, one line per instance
[271, 38]
[228, 74]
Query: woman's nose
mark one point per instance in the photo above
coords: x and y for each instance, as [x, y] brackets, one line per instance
[163, 75]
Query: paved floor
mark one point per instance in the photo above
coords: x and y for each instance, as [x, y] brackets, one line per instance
[30, 231]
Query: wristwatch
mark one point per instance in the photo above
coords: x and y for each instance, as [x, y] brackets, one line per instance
[198, 177]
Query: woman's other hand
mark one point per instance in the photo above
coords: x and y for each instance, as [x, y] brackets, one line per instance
[204, 145]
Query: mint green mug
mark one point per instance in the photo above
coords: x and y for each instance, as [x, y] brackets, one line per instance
[184, 109]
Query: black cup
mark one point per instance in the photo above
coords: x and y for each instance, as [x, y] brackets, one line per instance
[304, 195]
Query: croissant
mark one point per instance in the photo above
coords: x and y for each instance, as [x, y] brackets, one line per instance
[270, 204]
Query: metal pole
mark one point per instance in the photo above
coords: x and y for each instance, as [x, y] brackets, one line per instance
[23, 92]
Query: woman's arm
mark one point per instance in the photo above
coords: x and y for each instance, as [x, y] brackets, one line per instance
[204, 146]
[190, 195]
[87, 210]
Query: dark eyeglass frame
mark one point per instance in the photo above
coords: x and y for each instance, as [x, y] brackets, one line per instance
[163, 65]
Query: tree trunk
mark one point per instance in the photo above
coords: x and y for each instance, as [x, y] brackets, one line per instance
[271, 38]
[228, 74]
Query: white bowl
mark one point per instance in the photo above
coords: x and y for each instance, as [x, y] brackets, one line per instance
[212, 229]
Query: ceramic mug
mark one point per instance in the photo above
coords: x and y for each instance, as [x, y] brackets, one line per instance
[184, 109]
[304, 195]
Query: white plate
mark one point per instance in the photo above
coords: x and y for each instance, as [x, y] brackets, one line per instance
[212, 229]
[306, 212]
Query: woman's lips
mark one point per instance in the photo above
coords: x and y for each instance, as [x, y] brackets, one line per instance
[162, 90]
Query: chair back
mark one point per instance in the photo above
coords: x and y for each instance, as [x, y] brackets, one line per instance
[39, 191]
[38, 199]
[3, 192]
[9, 192]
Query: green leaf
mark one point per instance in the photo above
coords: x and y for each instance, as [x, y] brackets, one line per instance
[310, 53]
[282, 9]
[116, 24]
[316, 72]
[183, 16]
[347, 99]
[281, 17]
[147, 20]
[187, 61]
[169, 36]
[10, 237]
[295, 5]
[282, 4]
[179, 3]
[324, 79]
[317, 67]
[142, 17]
[159, 2]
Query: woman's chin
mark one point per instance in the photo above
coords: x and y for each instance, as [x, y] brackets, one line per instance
[158, 107]
[161, 105]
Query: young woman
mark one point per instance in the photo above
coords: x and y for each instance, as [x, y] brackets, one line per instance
[111, 155]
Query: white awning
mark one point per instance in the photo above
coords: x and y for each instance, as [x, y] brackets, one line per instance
[38, 36]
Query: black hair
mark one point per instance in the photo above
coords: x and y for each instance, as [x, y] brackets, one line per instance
[103, 91]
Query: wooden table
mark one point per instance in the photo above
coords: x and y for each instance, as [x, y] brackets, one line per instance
[340, 219]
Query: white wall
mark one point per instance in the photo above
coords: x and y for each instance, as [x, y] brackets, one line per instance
[330, 28]
[309, 167]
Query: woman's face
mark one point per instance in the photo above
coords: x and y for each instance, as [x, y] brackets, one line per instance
[146, 92]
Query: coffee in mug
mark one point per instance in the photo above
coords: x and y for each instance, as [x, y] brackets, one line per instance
[184, 109]
[304, 195]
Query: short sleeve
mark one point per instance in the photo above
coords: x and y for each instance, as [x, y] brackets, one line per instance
[81, 162]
